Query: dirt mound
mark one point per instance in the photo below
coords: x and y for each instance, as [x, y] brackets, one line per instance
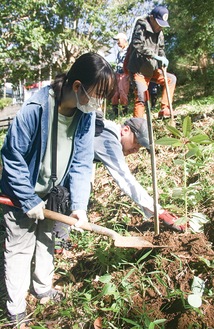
[186, 255]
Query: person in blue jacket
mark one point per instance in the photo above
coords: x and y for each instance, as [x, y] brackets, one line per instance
[26, 175]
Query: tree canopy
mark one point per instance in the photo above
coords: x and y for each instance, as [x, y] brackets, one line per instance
[39, 35]
[39, 38]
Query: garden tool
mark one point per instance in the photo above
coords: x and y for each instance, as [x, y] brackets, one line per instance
[172, 122]
[119, 240]
[153, 161]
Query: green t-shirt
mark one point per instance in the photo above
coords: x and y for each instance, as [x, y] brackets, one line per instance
[66, 131]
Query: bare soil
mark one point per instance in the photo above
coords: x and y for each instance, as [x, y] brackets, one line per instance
[190, 250]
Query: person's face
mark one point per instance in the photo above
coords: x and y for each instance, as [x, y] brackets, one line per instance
[86, 96]
[88, 102]
[121, 43]
[155, 26]
[79, 94]
[129, 141]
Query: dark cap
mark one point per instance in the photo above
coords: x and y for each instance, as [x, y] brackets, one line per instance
[139, 127]
[161, 14]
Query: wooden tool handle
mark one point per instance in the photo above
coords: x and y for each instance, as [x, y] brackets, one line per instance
[119, 241]
[85, 226]
[67, 219]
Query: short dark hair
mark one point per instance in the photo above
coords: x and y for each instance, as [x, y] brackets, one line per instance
[93, 71]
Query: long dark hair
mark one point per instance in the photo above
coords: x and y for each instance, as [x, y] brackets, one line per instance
[94, 72]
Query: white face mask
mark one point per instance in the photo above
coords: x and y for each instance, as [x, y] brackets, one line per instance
[92, 105]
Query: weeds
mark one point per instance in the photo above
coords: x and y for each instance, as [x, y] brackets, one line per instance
[5, 102]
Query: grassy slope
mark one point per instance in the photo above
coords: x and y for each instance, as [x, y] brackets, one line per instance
[92, 256]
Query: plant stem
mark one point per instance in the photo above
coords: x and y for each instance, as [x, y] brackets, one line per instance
[185, 187]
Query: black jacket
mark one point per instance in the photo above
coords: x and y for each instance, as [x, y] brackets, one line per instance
[145, 43]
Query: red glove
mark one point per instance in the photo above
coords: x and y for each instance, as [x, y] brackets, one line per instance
[169, 220]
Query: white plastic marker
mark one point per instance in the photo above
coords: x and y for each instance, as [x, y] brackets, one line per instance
[197, 288]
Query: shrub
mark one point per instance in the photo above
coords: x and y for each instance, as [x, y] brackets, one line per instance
[5, 102]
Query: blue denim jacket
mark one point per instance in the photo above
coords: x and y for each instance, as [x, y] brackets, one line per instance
[24, 148]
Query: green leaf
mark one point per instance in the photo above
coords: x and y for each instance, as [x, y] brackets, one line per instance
[182, 220]
[111, 309]
[207, 262]
[197, 222]
[187, 126]
[199, 216]
[200, 139]
[109, 289]
[178, 192]
[105, 278]
[159, 321]
[192, 152]
[131, 322]
[168, 141]
[144, 256]
[76, 326]
[174, 131]
[179, 162]
[87, 296]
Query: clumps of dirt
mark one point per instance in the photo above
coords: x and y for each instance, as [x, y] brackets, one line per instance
[171, 268]
[186, 255]
[185, 244]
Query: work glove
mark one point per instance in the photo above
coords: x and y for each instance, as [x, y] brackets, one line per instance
[82, 218]
[169, 220]
[37, 211]
[164, 61]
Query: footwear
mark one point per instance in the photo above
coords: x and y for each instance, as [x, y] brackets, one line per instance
[19, 320]
[115, 109]
[124, 109]
[165, 114]
[169, 220]
[63, 245]
[153, 102]
[52, 294]
[58, 251]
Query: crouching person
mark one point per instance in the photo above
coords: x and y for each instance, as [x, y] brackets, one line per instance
[111, 146]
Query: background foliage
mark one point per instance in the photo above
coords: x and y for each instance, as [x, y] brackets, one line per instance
[39, 38]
